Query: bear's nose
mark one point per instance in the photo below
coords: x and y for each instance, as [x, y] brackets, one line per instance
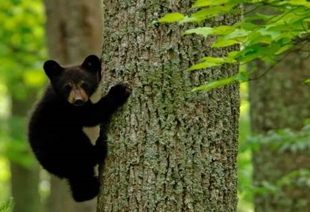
[78, 102]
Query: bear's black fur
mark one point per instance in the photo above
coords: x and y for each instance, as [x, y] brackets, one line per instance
[56, 125]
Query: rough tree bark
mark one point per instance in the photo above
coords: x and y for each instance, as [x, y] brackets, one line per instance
[280, 100]
[73, 31]
[169, 149]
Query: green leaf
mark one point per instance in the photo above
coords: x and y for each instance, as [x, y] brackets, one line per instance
[7, 206]
[273, 34]
[299, 3]
[218, 60]
[203, 65]
[238, 33]
[170, 18]
[204, 31]
[214, 84]
[242, 76]
[209, 62]
[223, 30]
[261, 36]
[307, 81]
[224, 43]
[233, 55]
[210, 12]
[284, 49]
[260, 16]
[205, 3]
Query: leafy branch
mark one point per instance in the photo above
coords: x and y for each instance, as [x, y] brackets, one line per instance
[281, 140]
[262, 36]
[7, 206]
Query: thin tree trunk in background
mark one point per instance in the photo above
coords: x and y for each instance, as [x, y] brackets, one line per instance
[25, 188]
[169, 149]
[73, 31]
[24, 180]
[281, 100]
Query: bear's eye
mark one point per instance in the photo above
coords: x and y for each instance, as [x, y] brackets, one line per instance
[67, 87]
[85, 85]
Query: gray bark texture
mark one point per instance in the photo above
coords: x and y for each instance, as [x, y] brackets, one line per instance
[73, 31]
[280, 100]
[169, 149]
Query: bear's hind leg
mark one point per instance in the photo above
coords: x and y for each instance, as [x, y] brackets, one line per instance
[84, 186]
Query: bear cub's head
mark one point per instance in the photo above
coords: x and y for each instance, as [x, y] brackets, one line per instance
[75, 84]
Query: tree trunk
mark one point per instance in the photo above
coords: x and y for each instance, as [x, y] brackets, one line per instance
[280, 100]
[24, 180]
[169, 149]
[25, 188]
[73, 31]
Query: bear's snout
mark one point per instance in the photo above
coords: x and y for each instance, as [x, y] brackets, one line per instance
[79, 102]
[77, 96]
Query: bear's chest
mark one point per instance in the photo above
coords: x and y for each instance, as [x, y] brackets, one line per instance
[92, 133]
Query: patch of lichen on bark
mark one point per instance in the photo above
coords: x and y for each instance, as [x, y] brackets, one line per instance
[169, 149]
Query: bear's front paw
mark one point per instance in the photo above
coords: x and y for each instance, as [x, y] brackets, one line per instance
[120, 93]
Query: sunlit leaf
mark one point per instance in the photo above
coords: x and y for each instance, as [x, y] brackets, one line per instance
[262, 35]
[223, 30]
[7, 206]
[171, 17]
[215, 84]
[209, 12]
[204, 31]
[237, 33]
[224, 43]
[284, 49]
[299, 3]
[307, 81]
[242, 76]
[204, 3]
[209, 62]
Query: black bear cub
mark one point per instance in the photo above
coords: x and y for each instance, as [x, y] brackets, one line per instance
[57, 126]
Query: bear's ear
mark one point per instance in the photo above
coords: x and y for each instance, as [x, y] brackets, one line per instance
[92, 63]
[52, 68]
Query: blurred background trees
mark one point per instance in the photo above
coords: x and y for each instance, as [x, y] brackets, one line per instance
[22, 51]
[279, 99]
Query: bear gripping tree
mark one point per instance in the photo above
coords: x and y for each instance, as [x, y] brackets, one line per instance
[169, 149]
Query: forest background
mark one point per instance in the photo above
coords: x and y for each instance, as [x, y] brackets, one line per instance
[23, 50]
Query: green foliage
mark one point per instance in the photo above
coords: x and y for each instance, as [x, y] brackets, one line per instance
[296, 178]
[245, 184]
[215, 84]
[171, 17]
[22, 45]
[261, 35]
[208, 62]
[281, 140]
[7, 206]
[241, 77]
[22, 53]
[13, 145]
